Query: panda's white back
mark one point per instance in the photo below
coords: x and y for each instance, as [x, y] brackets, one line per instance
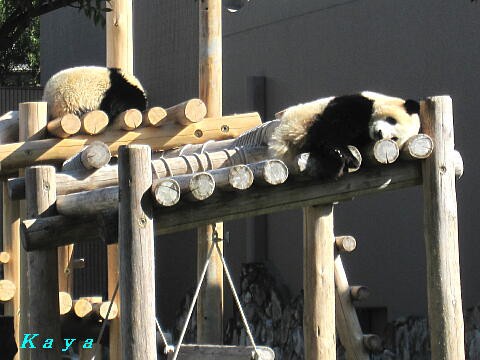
[76, 90]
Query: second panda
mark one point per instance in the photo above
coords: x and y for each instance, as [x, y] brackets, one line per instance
[325, 127]
[81, 89]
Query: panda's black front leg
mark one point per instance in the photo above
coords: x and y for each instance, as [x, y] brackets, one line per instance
[327, 162]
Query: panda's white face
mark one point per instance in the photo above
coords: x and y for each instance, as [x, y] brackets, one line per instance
[393, 118]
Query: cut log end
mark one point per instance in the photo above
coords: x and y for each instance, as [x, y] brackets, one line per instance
[154, 116]
[270, 172]
[201, 186]
[345, 243]
[65, 302]
[373, 343]
[359, 293]
[166, 192]
[187, 112]
[102, 310]
[64, 126]
[128, 120]
[240, 177]
[82, 308]
[4, 257]
[96, 155]
[94, 122]
[384, 151]
[7, 290]
[418, 147]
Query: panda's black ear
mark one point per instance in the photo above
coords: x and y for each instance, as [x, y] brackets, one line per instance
[412, 107]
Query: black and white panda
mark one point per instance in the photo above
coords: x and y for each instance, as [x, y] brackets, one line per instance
[85, 88]
[325, 127]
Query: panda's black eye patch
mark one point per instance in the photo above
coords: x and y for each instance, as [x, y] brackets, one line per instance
[391, 120]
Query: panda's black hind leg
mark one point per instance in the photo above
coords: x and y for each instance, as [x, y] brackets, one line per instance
[329, 163]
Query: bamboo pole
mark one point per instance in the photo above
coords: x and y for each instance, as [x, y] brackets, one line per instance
[43, 264]
[441, 233]
[136, 250]
[318, 283]
[210, 301]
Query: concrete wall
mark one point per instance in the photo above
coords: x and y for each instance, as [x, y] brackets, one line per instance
[308, 49]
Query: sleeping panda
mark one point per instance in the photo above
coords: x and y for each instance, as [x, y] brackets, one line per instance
[85, 88]
[325, 127]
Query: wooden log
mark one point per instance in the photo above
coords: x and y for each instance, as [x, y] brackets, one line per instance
[43, 264]
[65, 302]
[210, 301]
[196, 187]
[88, 202]
[61, 230]
[223, 352]
[383, 151]
[101, 310]
[269, 172]
[9, 127]
[7, 290]
[32, 120]
[136, 250]
[187, 112]
[65, 126]
[93, 156]
[166, 192]
[348, 326]
[14, 156]
[4, 257]
[128, 120]
[94, 122]
[154, 116]
[82, 308]
[238, 177]
[82, 180]
[345, 243]
[417, 147]
[318, 283]
[359, 292]
[457, 159]
[77, 264]
[373, 343]
[441, 232]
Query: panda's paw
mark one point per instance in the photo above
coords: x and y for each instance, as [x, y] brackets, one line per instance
[327, 164]
[351, 162]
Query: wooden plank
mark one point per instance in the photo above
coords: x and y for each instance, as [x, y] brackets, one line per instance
[136, 254]
[22, 154]
[60, 229]
[210, 301]
[441, 233]
[318, 283]
[222, 352]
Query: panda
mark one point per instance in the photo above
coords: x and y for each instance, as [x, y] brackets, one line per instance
[325, 127]
[85, 88]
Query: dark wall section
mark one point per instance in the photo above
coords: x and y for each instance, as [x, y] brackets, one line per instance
[308, 49]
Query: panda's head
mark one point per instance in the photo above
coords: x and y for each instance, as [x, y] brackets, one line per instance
[393, 118]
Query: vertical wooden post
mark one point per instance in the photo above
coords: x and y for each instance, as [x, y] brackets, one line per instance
[40, 196]
[31, 126]
[136, 250]
[441, 233]
[210, 301]
[119, 35]
[119, 31]
[318, 283]
[11, 244]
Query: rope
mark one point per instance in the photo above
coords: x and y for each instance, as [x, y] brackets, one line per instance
[168, 348]
[194, 300]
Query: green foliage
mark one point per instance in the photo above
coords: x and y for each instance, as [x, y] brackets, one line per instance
[20, 35]
[20, 63]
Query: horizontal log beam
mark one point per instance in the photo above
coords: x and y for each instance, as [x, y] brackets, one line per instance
[61, 230]
[22, 154]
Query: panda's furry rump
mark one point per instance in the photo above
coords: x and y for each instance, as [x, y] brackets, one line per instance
[82, 89]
